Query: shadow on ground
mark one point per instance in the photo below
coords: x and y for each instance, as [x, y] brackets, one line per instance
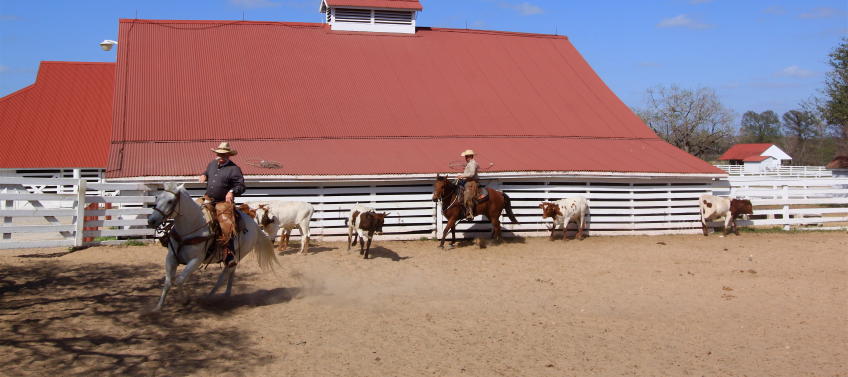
[91, 319]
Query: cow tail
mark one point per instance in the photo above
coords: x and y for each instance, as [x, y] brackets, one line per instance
[508, 207]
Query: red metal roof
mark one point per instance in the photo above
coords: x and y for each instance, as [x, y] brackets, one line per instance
[390, 4]
[279, 90]
[64, 120]
[743, 151]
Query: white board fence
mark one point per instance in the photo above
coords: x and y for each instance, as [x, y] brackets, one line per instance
[34, 218]
[787, 202]
[618, 206]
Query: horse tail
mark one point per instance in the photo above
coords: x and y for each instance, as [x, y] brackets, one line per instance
[265, 256]
[508, 207]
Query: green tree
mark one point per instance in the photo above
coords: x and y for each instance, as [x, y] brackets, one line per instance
[692, 120]
[835, 107]
[761, 127]
[800, 126]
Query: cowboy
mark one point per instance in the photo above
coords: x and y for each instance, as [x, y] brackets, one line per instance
[224, 181]
[469, 180]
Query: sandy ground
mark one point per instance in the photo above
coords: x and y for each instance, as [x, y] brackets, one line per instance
[755, 305]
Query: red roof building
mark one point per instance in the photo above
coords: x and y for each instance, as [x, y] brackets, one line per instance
[340, 103]
[63, 120]
[743, 151]
[386, 4]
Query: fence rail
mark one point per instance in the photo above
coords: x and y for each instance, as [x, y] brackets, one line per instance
[34, 215]
[782, 171]
[71, 218]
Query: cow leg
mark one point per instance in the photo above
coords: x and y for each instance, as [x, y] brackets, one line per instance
[448, 227]
[704, 226]
[565, 229]
[727, 221]
[280, 241]
[581, 228]
[735, 228]
[286, 235]
[361, 244]
[304, 240]
[553, 229]
[349, 231]
[368, 245]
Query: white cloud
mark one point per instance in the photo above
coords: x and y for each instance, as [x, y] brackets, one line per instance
[821, 13]
[254, 3]
[524, 8]
[795, 71]
[683, 20]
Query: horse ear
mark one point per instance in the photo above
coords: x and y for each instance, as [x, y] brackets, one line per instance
[181, 187]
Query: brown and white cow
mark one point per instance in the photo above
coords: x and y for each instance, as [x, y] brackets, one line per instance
[564, 211]
[714, 207]
[363, 222]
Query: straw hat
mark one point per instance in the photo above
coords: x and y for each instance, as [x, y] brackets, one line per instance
[224, 147]
[467, 152]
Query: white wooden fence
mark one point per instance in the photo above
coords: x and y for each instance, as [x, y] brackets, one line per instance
[619, 206]
[34, 218]
[782, 171]
[801, 202]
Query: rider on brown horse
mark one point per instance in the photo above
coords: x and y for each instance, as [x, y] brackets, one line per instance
[224, 181]
[470, 180]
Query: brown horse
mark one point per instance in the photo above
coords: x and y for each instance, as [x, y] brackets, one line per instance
[454, 210]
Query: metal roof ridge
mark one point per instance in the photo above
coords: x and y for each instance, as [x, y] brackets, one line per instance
[221, 22]
[390, 137]
[496, 32]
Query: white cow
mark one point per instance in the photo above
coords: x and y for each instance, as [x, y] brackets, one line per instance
[714, 207]
[564, 211]
[275, 215]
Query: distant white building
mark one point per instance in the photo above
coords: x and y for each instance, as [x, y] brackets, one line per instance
[756, 157]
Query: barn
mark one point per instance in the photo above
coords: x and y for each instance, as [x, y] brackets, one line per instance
[369, 107]
[60, 126]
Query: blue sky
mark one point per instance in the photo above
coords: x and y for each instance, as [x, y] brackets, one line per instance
[757, 54]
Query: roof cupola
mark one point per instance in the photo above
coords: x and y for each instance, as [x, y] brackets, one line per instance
[385, 16]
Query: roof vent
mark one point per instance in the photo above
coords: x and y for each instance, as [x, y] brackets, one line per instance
[386, 16]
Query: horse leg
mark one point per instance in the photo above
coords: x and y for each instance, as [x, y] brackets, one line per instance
[220, 281]
[192, 265]
[449, 227]
[496, 228]
[232, 275]
[170, 271]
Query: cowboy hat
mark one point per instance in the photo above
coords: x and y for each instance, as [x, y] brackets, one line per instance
[468, 152]
[224, 147]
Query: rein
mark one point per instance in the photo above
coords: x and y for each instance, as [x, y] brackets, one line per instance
[168, 231]
[454, 193]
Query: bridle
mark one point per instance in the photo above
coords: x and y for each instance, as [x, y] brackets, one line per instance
[174, 211]
[445, 193]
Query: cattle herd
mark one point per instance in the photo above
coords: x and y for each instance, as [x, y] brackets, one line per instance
[364, 222]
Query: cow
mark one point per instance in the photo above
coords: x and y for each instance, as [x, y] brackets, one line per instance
[363, 222]
[564, 211]
[275, 215]
[714, 207]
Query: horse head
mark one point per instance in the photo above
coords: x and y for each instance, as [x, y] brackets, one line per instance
[439, 187]
[166, 204]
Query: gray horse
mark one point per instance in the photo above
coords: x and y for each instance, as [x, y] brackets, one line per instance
[191, 238]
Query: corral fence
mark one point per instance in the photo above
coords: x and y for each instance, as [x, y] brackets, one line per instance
[72, 212]
[618, 206]
[799, 202]
[781, 171]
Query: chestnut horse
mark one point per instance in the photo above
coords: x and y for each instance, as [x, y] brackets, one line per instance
[454, 209]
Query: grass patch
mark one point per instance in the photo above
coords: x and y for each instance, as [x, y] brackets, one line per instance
[107, 238]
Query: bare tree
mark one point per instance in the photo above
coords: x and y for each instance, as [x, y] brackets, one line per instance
[692, 120]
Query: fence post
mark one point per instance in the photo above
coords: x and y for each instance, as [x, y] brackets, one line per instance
[786, 207]
[439, 220]
[79, 220]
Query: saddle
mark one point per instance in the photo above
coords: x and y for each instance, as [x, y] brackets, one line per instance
[482, 193]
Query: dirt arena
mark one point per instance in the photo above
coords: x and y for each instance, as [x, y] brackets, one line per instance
[755, 305]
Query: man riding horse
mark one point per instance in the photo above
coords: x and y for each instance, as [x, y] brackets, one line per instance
[224, 181]
[470, 181]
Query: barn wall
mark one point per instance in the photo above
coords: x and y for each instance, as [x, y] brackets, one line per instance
[618, 205]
